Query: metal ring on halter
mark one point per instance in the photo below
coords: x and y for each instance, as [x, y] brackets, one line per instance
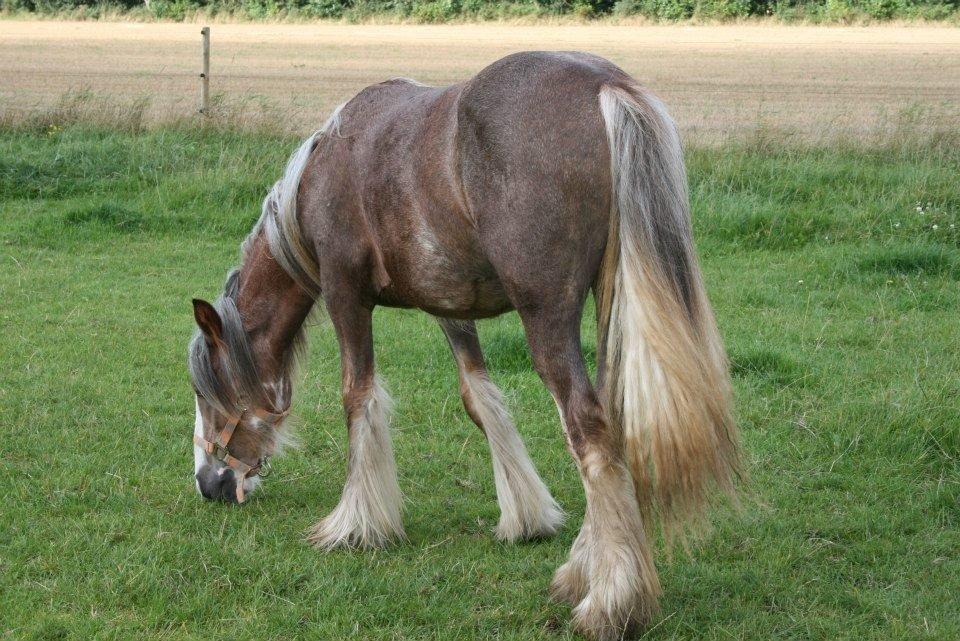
[219, 449]
[265, 467]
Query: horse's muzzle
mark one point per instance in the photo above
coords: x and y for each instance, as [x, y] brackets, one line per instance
[217, 485]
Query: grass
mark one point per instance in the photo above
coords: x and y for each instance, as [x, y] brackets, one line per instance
[837, 298]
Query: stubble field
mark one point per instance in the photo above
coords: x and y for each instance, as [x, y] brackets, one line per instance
[823, 167]
[719, 81]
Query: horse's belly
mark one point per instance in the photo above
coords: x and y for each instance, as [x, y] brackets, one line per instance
[447, 285]
[479, 298]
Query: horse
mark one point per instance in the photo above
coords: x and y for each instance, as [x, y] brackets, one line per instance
[544, 178]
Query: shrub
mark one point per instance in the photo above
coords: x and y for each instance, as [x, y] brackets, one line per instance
[172, 9]
[436, 11]
[323, 8]
[722, 8]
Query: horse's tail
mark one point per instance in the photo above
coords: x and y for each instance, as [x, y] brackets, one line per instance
[665, 383]
[280, 221]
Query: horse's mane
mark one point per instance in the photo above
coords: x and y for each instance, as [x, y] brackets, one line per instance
[241, 384]
[279, 220]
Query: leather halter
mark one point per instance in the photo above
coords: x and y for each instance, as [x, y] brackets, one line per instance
[218, 449]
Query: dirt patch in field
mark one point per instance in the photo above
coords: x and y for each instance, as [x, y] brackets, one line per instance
[718, 81]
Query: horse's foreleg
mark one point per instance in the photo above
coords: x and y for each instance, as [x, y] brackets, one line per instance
[610, 574]
[527, 510]
[368, 514]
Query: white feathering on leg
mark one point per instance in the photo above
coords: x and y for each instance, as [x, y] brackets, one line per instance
[368, 514]
[527, 510]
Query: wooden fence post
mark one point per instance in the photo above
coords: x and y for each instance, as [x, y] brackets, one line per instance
[205, 74]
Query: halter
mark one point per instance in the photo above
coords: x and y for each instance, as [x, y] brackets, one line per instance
[218, 449]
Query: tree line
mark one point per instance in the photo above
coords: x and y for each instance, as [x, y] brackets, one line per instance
[816, 11]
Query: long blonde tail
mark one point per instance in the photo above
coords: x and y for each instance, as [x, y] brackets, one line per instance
[665, 381]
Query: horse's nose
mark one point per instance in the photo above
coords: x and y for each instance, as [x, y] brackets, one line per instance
[216, 485]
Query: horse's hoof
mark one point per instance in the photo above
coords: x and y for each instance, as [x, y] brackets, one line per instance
[569, 584]
[332, 533]
[608, 622]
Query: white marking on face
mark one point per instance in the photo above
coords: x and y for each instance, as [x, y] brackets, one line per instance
[199, 457]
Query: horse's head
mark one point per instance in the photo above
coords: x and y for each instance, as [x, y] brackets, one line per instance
[239, 418]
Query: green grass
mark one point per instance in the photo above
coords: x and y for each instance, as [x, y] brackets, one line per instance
[837, 298]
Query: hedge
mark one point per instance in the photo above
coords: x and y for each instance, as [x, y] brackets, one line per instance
[443, 10]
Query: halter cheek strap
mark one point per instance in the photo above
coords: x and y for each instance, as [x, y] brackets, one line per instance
[219, 448]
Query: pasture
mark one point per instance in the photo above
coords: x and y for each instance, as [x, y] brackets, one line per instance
[832, 258]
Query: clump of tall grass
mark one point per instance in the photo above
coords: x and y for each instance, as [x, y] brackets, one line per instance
[80, 107]
[90, 110]
[919, 130]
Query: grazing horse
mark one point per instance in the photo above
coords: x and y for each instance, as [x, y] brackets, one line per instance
[543, 177]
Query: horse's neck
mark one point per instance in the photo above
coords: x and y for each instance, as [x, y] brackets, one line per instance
[273, 308]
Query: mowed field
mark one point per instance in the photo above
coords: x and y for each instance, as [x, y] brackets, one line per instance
[719, 81]
[832, 258]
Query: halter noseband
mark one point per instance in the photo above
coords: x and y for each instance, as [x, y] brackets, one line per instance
[218, 449]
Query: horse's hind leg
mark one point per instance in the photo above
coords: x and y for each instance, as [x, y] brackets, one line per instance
[368, 514]
[526, 508]
[610, 570]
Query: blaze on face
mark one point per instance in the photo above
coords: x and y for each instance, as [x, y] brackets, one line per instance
[222, 474]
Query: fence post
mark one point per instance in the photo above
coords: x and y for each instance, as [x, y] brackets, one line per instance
[205, 74]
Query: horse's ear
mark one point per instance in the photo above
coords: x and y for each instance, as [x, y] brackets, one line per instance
[208, 320]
